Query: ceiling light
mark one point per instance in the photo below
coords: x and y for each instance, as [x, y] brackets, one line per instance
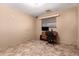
[35, 4]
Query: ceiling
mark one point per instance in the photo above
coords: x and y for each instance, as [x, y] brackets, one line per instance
[38, 10]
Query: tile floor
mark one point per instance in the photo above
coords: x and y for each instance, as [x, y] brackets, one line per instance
[40, 48]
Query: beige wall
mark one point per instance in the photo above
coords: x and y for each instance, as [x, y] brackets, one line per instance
[38, 28]
[78, 27]
[66, 25]
[15, 27]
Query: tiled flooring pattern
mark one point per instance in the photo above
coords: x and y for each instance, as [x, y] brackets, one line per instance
[40, 48]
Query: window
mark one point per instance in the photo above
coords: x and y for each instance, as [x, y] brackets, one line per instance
[49, 22]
